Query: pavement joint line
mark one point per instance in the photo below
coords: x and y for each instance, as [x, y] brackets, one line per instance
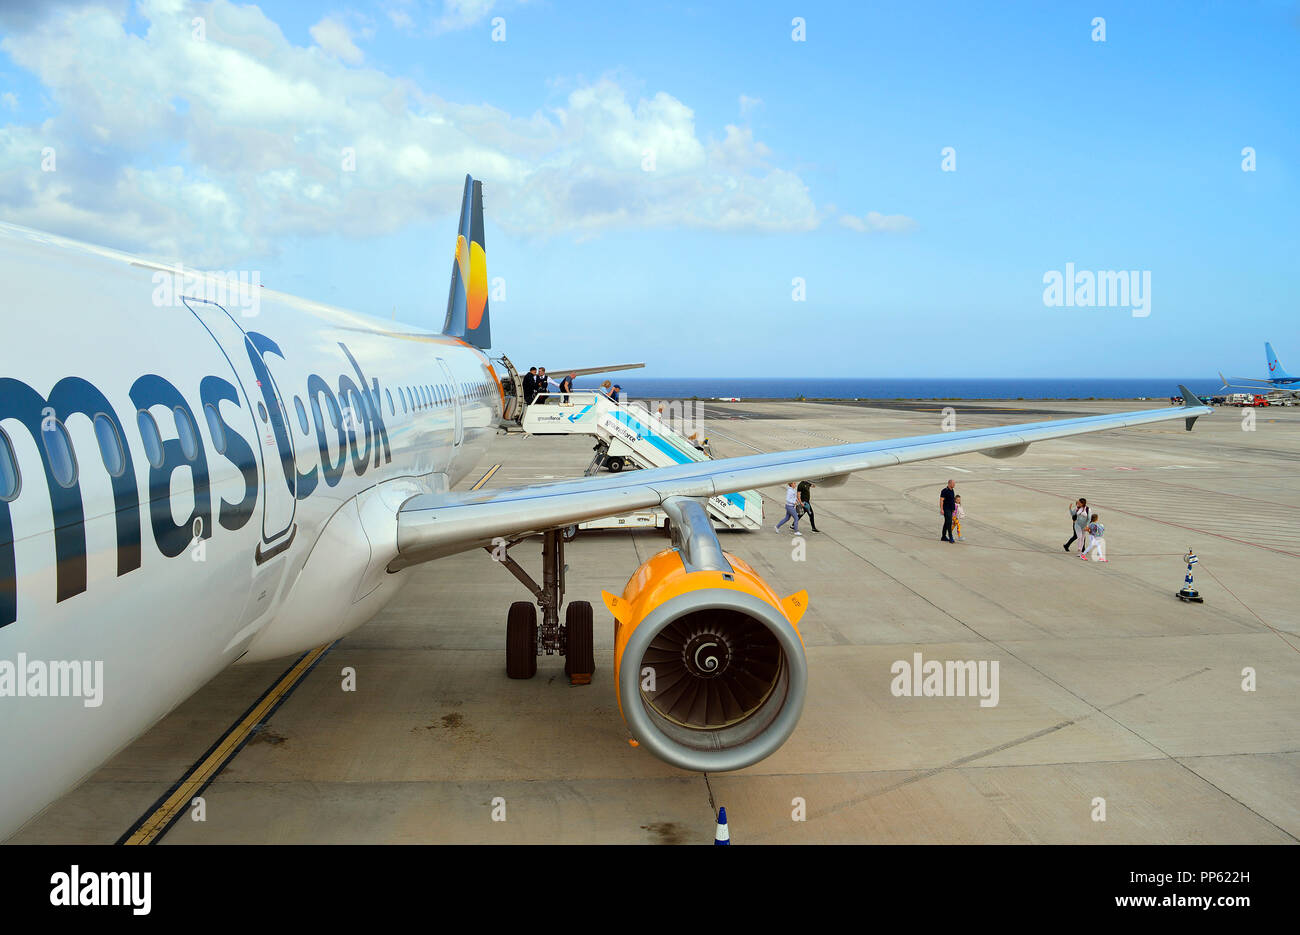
[1251, 612]
[164, 813]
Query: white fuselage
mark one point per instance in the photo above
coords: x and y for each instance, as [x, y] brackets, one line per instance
[258, 522]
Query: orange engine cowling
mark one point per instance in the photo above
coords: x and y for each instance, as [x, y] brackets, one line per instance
[708, 660]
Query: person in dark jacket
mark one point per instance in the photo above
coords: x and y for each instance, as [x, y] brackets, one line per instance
[530, 386]
[947, 505]
[805, 499]
[1079, 514]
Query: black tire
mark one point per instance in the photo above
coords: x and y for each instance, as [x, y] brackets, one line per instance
[581, 656]
[614, 464]
[521, 641]
[570, 533]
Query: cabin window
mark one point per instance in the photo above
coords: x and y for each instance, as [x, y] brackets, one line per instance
[333, 408]
[63, 464]
[215, 428]
[186, 433]
[151, 437]
[110, 445]
[9, 480]
[261, 412]
[358, 406]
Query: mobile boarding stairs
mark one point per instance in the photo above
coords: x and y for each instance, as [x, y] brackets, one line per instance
[630, 435]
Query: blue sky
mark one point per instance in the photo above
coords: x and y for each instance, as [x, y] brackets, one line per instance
[773, 159]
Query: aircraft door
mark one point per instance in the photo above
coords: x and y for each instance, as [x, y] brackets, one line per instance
[454, 385]
[266, 416]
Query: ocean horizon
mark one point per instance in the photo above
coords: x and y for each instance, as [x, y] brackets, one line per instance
[1157, 388]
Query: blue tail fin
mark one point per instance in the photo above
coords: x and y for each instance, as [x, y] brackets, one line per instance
[467, 303]
[1275, 371]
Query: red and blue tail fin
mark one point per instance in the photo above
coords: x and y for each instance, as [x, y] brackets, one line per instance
[1275, 371]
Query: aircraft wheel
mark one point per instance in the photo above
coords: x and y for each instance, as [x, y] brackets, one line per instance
[615, 465]
[570, 533]
[521, 641]
[580, 661]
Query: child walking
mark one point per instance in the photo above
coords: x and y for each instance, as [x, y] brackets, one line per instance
[1096, 541]
[958, 514]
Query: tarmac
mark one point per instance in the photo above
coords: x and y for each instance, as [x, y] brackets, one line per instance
[1123, 714]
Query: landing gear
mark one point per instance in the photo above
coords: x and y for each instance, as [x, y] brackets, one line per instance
[580, 660]
[525, 640]
[521, 641]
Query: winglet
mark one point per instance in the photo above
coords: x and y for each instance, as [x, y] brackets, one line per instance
[1190, 399]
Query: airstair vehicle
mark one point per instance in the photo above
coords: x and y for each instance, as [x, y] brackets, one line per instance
[628, 435]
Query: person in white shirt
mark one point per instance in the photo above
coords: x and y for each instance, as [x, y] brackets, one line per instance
[1096, 540]
[791, 509]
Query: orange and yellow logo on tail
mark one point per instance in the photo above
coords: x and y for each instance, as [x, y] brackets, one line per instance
[476, 299]
[467, 305]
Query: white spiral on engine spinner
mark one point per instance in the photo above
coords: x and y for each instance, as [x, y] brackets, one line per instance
[710, 663]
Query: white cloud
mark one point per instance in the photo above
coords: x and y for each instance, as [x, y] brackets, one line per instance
[749, 105]
[10, 100]
[461, 14]
[875, 222]
[213, 150]
[336, 39]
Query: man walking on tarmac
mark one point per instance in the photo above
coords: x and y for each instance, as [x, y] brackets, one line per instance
[805, 500]
[947, 504]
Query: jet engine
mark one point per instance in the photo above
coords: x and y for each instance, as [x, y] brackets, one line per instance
[708, 660]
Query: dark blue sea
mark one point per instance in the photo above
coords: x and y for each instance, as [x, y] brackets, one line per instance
[1157, 388]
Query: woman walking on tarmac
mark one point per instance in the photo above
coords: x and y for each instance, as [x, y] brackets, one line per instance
[791, 513]
[1079, 517]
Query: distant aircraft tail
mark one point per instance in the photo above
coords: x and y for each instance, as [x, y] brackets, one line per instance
[467, 304]
[1275, 371]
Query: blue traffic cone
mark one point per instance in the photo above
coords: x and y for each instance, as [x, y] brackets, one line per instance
[722, 836]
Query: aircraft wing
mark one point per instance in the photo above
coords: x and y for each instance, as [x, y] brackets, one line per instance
[433, 525]
[560, 372]
[1255, 383]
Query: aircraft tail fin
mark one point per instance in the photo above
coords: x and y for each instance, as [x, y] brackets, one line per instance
[467, 303]
[1275, 371]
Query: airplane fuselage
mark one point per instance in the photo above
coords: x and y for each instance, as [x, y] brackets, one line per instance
[194, 483]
